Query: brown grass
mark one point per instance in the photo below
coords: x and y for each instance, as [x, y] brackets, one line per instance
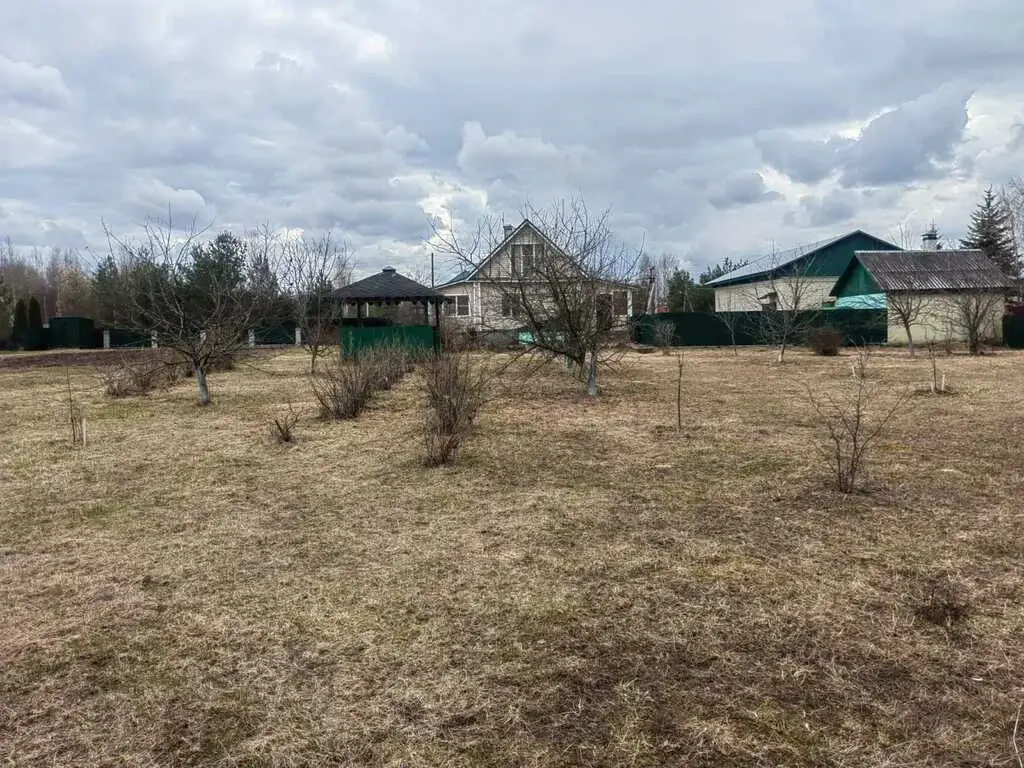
[587, 586]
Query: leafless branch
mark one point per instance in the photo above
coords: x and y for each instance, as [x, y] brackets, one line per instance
[570, 291]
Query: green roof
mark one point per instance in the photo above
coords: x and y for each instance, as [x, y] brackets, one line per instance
[825, 258]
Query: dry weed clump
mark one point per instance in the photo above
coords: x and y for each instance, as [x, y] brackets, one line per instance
[455, 385]
[942, 601]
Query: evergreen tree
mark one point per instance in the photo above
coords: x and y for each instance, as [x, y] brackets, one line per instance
[35, 314]
[107, 292]
[20, 316]
[688, 295]
[990, 232]
[6, 300]
[726, 266]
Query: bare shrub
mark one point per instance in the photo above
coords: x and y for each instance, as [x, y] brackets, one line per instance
[388, 364]
[824, 341]
[75, 416]
[664, 333]
[679, 394]
[455, 386]
[938, 385]
[282, 427]
[859, 366]
[226, 360]
[343, 388]
[141, 374]
[853, 425]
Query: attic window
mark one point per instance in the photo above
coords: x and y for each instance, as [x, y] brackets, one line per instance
[524, 259]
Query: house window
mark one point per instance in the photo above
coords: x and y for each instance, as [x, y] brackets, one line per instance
[528, 264]
[457, 305]
[620, 303]
[605, 309]
[510, 306]
[524, 259]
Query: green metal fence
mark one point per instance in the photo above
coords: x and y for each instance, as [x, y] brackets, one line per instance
[1013, 331]
[70, 333]
[413, 337]
[701, 329]
[279, 334]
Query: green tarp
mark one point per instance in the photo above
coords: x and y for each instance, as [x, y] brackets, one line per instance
[863, 301]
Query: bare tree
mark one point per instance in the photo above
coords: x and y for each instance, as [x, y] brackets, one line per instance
[1011, 198]
[905, 308]
[731, 321]
[198, 299]
[313, 268]
[654, 275]
[785, 300]
[972, 315]
[572, 293]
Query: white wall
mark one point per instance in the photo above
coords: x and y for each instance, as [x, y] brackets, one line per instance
[937, 320]
[745, 297]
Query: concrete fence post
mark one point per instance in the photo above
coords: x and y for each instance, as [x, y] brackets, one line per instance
[252, 338]
[106, 339]
[298, 337]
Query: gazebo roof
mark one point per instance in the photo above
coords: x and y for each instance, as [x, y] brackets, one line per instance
[387, 286]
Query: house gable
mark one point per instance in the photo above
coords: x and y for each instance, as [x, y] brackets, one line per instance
[855, 281]
[523, 243]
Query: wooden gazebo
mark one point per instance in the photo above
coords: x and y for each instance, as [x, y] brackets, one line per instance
[387, 287]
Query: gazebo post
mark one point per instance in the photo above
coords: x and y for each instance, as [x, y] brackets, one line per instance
[437, 325]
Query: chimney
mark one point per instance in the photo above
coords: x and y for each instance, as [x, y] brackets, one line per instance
[930, 240]
[508, 230]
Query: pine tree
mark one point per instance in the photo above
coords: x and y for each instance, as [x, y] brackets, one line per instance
[989, 232]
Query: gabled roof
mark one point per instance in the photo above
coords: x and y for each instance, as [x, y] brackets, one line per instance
[386, 285]
[933, 270]
[773, 262]
[467, 275]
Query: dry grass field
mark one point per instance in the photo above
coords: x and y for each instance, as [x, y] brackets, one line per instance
[586, 586]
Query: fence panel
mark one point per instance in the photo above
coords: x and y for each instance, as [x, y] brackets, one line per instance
[705, 329]
[1013, 331]
[413, 337]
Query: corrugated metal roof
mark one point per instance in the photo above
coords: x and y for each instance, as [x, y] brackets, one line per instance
[386, 285]
[932, 270]
[773, 261]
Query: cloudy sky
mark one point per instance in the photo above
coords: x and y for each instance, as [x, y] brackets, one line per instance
[710, 129]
